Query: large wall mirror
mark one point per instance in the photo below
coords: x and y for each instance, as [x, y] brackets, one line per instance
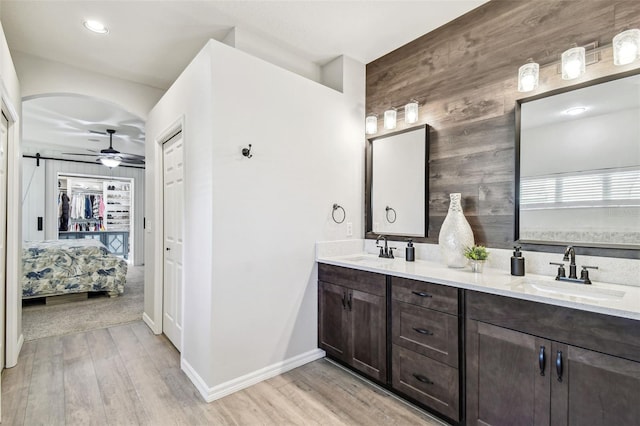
[396, 184]
[578, 166]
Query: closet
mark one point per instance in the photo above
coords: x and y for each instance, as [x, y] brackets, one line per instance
[96, 208]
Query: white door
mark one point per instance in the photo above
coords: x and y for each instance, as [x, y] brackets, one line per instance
[173, 173]
[4, 143]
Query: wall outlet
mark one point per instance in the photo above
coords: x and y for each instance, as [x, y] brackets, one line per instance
[349, 229]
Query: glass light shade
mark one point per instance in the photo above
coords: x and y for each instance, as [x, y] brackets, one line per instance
[626, 47]
[111, 161]
[573, 63]
[390, 116]
[95, 26]
[411, 112]
[528, 77]
[371, 125]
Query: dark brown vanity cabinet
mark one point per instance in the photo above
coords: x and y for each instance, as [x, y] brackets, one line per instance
[536, 364]
[352, 318]
[425, 344]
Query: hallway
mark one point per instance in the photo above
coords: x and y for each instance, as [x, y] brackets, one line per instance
[126, 375]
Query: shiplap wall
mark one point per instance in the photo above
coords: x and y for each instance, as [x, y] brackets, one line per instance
[53, 168]
[465, 76]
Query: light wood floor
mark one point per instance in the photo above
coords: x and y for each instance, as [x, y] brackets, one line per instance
[125, 375]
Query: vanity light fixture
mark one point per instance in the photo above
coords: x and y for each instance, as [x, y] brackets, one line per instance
[575, 110]
[573, 63]
[626, 47]
[371, 124]
[411, 112]
[528, 76]
[390, 116]
[95, 26]
[111, 162]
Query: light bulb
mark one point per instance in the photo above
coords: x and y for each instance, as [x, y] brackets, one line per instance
[528, 76]
[390, 119]
[371, 124]
[411, 112]
[626, 47]
[573, 63]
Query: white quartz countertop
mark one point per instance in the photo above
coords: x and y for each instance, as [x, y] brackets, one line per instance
[611, 299]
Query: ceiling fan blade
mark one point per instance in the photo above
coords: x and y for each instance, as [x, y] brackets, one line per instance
[77, 153]
[98, 132]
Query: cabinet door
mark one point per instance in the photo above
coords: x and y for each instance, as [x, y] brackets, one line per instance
[595, 389]
[332, 319]
[505, 385]
[368, 334]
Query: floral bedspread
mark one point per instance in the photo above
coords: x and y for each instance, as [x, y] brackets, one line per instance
[70, 266]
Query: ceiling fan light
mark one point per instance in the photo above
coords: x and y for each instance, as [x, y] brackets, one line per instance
[111, 162]
[95, 26]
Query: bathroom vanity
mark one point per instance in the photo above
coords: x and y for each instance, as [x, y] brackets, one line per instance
[485, 348]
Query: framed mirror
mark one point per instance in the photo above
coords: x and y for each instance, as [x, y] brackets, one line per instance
[578, 166]
[397, 184]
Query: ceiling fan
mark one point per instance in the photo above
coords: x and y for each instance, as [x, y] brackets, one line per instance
[111, 157]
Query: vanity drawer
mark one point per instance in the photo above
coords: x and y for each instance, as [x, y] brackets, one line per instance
[427, 381]
[368, 282]
[428, 332]
[433, 296]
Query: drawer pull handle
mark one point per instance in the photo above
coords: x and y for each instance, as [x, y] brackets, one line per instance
[559, 365]
[421, 378]
[421, 294]
[423, 331]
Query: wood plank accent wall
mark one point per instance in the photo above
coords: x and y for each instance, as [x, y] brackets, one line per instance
[464, 74]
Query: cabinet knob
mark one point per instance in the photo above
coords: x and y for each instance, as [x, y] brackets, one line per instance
[168, 249]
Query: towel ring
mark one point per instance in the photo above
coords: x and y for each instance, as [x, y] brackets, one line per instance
[395, 216]
[333, 213]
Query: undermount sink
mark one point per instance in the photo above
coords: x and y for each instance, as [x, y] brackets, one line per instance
[369, 260]
[583, 291]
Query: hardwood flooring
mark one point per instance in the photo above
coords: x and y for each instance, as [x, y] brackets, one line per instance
[125, 375]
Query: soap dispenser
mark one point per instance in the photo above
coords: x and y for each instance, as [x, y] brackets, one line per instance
[517, 263]
[410, 252]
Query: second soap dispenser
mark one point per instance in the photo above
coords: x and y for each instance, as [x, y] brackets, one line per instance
[517, 263]
[410, 252]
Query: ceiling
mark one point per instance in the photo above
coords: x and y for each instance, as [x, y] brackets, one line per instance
[151, 42]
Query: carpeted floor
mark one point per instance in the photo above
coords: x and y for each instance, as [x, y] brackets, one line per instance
[40, 321]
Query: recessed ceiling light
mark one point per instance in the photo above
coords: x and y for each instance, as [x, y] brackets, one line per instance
[95, 26]
[575, 110]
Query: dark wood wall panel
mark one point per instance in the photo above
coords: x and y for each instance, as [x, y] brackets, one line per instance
[465, 76]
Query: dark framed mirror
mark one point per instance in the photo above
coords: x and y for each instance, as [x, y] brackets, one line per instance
[578, 168]
[397, 185]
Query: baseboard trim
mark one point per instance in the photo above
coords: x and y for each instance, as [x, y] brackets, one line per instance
[152, 325]
[216, 392]
[17, 354]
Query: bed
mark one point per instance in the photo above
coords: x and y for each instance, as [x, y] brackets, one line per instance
[56, 267]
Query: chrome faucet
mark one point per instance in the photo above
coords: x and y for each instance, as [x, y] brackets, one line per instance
[385, 251]
[570, 251]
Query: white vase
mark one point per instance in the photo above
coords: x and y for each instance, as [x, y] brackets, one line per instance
[455, 235]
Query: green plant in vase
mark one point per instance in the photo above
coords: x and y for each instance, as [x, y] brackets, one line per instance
[477, 255]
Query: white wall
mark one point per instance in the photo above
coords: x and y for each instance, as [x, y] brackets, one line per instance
[40, 76]
[54, 167]
[251, 224]
[11, 104]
